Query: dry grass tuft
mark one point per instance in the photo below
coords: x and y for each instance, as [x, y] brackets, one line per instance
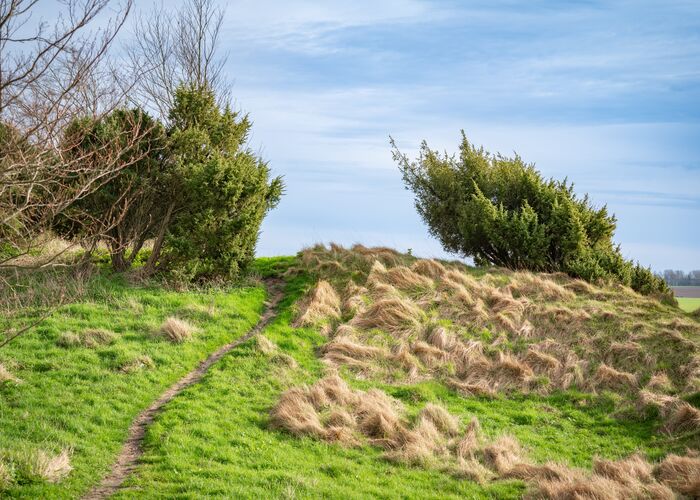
[7, 376]
[682, 474]
[682, 418]
[139, 363]
[659, 382]
[503, 454]
[441, 338]
[344, 350]
[90, 338]
[265, 345]
[440, 418]
[633, 469]
[529, 472]
[404, 279]
[429, 355]
[471, 441]
[52, 468]
[176, 330]
[582, 287]
[295, 414]
[607, 377]
[578, 487]
[393, 315]
[510, 369]
[532, 285]
[542, 362]
[322, 303]
[430, 268]
[353, 298]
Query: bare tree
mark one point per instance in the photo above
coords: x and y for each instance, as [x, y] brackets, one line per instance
[168, 51]
[52, 73]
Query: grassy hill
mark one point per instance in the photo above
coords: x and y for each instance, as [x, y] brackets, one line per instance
[383, 375]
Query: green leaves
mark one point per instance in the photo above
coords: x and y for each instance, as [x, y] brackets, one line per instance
[499, 210]
[227, 190]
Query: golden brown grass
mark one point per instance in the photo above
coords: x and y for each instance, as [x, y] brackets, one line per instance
[7, 376]
[90, 338]
[430, 310]
[176, 330]
[394, 315]
[142, 362]
[682, 474]
[330, 410]
[321, 304]
[51, 468]
[607, 377]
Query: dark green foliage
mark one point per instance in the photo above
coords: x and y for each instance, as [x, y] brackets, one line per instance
[127, 209]
[225, 190]
[195, 189]
[501, 211]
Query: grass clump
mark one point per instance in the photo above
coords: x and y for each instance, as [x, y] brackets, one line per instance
[176, 330]
[90, 338]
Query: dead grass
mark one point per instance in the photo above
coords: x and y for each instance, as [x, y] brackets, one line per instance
[659, 382]
[430, 268]
[532, 285]
[607, 377]
[176, 330]
[139, 363]
[682, 418]
[332, 411]
[321, 304]
[52, 468]
[682, 474]
[6, 376]
[393, 315]
[89, 339]
[503, 454]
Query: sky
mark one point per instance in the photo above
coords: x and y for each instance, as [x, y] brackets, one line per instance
[606, 94]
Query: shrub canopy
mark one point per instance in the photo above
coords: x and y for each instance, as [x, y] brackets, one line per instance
[501, 211]
[225, 189]
[194, 188]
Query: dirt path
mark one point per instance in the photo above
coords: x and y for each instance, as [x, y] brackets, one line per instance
[132, 450]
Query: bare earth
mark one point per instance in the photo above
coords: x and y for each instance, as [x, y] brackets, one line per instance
[131, 452]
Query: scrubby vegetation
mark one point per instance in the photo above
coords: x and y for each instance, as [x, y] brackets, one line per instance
[501, 211]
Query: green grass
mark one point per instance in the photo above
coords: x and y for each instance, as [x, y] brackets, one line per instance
[78, 397]
[215, 440]
[688, 304]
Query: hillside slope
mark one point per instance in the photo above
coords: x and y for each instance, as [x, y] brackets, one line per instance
[389, 376]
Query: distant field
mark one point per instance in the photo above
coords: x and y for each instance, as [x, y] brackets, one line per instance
[689, 304]
[687, 291]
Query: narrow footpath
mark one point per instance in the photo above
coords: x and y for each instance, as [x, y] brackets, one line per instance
[131, 452]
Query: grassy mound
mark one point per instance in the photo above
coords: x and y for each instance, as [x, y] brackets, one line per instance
[383, 376]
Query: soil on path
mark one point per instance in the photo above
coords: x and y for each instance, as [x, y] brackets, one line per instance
[131, 452]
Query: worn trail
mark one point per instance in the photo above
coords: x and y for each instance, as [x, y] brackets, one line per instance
[131, 452]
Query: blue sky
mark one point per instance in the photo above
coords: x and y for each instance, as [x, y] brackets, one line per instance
[605, 93]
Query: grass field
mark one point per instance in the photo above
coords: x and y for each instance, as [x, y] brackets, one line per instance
[688, 304]
[216, 438]
[81, 400]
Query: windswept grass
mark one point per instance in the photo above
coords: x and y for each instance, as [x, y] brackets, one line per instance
[238, 435]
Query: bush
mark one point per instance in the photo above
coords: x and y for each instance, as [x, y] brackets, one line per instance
[129, 207]
[194, 189]
[501, 211]
[225, 190]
